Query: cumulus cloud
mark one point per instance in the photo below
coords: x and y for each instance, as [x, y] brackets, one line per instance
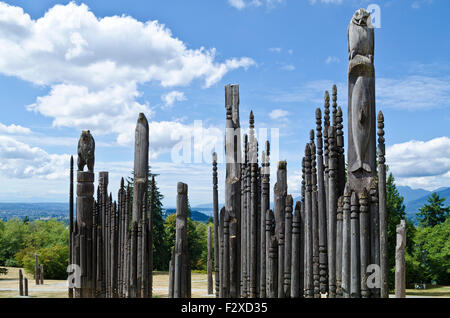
[278, 114]
[14, 129]
[423, 164]
[94, 65]
[19, 160]
[170, 98]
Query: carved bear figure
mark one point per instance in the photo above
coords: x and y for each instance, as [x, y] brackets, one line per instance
[86, 149]
[361, 36]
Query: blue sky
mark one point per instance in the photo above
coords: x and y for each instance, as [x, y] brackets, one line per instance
[67, 66]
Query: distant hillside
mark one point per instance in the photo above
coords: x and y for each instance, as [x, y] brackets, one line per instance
[34, 210]
[410, 194]
[413, 207]
[195, 215]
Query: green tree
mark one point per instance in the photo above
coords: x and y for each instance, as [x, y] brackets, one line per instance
[434, 212]
[13, 235]
[432, 253]
[53, 258]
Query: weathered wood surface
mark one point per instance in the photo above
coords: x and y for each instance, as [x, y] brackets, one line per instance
[400, 270]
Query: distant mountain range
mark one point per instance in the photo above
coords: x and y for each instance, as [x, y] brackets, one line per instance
[414, 199]
[195, 215]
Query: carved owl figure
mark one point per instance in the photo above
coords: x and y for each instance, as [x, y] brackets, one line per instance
[361, 35]
[86, 150]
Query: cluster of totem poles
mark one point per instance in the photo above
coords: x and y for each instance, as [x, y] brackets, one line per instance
[110, 252]
[331, 243]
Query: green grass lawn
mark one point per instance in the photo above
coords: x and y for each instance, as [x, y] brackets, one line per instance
[433, 291]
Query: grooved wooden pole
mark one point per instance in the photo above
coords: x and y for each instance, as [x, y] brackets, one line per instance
[209, 262]
[216, 224]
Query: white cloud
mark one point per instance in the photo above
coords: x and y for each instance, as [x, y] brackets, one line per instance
[275, 49]
[19, 160]
[94, 65]
[423, 164]
[111, 110]
[238, 4]
[278, 114]
[413, 92]
[332, 59]
[170, 98]
[14, 129]
[242, 4]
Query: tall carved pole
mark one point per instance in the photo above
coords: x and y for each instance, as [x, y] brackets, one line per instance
[216, 224]
[253, 210]
[355, 274]
[232, 182]
[332, 211]
[272, 271]
[226, 254]
[400, 273]
[182, 272]
[209, 262]
[361, 150]
[346, 245]
[221, 251]
[315, 218]
[339, 237]
[280, 203]
[364, 232]
[103, 179]
[384, 270]
[296, 257]
[140, 186]
[341, 174]
[20, 283]
[309, 280]
[150, 240]
[288, 246]
[321, 207]
[71, 221]
[303, 236]
[374, 232]
[265, 204]
[326, 124]
[85, 203]
[244, 220]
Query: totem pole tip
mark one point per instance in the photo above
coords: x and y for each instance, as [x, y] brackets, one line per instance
[318, 113]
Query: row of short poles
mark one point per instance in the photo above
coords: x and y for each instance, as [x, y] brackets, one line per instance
[38, 276]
